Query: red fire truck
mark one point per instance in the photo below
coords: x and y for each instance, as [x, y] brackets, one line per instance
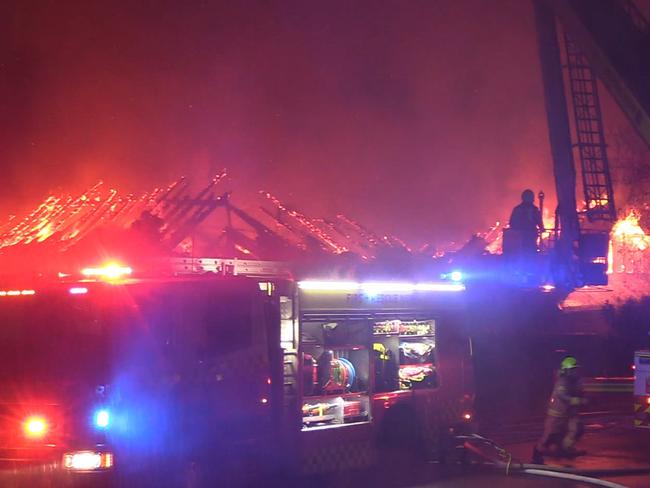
[227, 365]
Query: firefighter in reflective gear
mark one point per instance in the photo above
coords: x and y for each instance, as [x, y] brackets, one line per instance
[563, 426]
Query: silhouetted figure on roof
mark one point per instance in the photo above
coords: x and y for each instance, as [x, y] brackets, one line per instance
[526, 221]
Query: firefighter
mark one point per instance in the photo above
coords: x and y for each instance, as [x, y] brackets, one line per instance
[526, 220]
[563, 426]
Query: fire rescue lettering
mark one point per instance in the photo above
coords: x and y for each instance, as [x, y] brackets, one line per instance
[358, 299]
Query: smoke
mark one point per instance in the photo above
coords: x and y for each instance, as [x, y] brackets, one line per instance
[424, 121]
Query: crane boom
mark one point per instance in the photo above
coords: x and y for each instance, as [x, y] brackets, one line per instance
[559, 130]
[615, 38]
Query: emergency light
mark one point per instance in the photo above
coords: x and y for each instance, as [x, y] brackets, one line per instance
[110, 271]
[16, 293]
[87, 460]
[35, 427]
[456, 276]
[375, 288]
[102, 418]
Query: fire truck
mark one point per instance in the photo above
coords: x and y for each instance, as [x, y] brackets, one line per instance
[642, 389]
[229, 366]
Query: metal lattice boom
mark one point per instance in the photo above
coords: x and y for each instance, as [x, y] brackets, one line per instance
[590, 144]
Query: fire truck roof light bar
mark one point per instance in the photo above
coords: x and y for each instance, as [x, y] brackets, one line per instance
[378, 288]
[110, 271]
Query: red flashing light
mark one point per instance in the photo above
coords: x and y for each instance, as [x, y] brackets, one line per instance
[78, 290]
[35, 427]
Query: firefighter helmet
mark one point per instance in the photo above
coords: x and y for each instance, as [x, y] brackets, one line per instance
[569, 362]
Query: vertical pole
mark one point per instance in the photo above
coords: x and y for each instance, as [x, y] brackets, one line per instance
[540, 236]
[559, 131]
[540, 197]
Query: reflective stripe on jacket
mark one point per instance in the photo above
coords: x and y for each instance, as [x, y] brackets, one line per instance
[566, 397]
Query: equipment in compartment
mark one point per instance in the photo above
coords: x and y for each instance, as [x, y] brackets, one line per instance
[336, 375]
[319, 409]
[415, 352]
[352, 409]
[323, 411]
[386, 327]
[416, 376]
[404, 327]
[404, 354]
[386, 367]
[416, 328]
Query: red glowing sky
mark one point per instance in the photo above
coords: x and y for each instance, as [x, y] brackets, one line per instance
[422, 118]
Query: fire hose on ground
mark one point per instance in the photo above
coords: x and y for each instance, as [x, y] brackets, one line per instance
[505, 462]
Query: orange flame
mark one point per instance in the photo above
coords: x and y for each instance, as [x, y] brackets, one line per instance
[630, 232]
[627, 245]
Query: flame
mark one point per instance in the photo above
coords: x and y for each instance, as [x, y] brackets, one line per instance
[44, 232]
[548, 219]
[629, 231]
[627, 245]
[610, 257]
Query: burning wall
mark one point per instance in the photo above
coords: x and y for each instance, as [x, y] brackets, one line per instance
[629, 246]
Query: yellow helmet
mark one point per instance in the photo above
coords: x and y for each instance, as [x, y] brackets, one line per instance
[382, 350]
[569, 362]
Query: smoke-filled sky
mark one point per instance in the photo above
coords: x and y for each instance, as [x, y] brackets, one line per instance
[420, 118]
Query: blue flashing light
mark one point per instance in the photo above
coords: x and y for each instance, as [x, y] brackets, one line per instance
[102, 418]
[456, 276]
[370, 294]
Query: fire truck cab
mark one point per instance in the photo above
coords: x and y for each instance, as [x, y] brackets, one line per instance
[240, 375]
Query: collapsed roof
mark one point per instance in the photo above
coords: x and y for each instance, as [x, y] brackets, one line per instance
[179, 221]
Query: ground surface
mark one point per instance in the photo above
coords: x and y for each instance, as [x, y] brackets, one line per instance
[610, 441]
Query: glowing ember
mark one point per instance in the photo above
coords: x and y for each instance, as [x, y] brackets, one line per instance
[70, 218]
[494, 238]
[310, 227]
[166, 217]
[44, 233]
